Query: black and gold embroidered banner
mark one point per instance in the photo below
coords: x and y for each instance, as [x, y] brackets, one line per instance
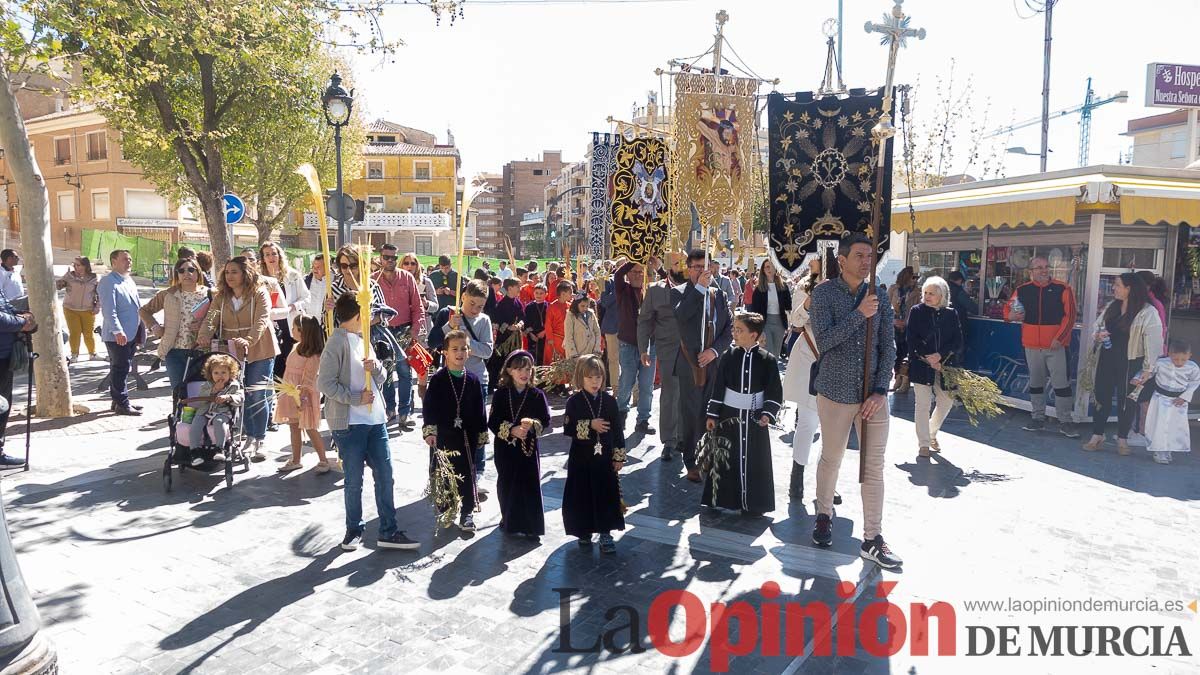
[822, 173]
[640, 198]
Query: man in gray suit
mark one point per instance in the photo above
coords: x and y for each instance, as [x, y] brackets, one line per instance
[721, 281]
[657, 326]
[705, 329]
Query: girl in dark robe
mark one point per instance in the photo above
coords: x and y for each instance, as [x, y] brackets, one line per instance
[519, 414]
[745, 400]
[508, 316]
[592, 495]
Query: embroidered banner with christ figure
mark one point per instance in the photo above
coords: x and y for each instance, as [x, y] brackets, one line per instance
[639, 201]
[713, 128]
[822, 173]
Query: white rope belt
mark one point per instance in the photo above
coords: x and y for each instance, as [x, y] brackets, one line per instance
[741, 401]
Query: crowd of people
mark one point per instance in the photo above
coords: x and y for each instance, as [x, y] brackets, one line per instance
[729, 351]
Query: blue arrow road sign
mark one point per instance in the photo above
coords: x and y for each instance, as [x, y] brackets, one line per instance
[235, 208]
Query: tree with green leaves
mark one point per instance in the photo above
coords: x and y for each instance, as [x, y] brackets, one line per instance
[27, 48]
[277, 140]
[188, 85]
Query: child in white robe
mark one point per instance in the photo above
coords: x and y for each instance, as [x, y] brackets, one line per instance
[1176, 378]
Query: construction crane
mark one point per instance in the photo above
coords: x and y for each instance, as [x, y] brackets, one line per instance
[1090, 103]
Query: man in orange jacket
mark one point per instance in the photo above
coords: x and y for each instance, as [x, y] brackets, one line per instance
[1046, 309]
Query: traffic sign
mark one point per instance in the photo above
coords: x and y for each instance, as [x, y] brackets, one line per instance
[235, 208]
[331, 205]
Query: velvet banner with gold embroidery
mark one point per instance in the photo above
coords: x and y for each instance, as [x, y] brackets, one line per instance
[822, 173]
[641, 191]
[713, 128]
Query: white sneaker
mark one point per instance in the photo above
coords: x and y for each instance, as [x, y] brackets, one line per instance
[1162, 457]
[1137, 439]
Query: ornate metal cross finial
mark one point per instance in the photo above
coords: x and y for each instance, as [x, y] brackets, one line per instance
[896, 31]
[722, 17]
[830, 28]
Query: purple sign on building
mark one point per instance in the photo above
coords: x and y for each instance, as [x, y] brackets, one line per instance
[1172, 85]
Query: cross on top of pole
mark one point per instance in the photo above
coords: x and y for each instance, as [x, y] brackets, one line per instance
[896, 31]
[895, 27]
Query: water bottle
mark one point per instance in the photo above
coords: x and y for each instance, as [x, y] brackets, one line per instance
[1017, 307]
[1106, 342]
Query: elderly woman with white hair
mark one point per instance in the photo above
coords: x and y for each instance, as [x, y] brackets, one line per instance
[934, 336]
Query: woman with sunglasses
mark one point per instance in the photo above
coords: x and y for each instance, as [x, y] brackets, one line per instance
[184, 306]
[295, 296]
[345, 280]
[240, 319]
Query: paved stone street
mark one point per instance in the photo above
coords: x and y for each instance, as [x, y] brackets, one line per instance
[131, 579]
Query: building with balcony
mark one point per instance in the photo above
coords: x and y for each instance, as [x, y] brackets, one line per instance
[568, 201]
[89, 182]
[522, 190]
[408, 190]
[489, 230]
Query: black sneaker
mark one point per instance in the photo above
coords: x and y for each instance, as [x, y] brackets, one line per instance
[1068, 429]
[113, 407]
[876, 550]
[351, 541]
[667, 453]
[643, 427]
[8, 460]
[398, 540]
[823, 531]
[607, 545]
[466, 523]
[1035, 425]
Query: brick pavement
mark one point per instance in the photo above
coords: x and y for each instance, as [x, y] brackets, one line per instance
[208, 579]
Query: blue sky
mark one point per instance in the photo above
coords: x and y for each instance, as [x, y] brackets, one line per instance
[512, 80]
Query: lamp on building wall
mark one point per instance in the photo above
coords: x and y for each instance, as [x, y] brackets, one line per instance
[78, 180]
[337, 105]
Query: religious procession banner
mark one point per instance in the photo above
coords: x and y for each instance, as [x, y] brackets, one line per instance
[639, 200]
[713, 129]
[604, 156]
[822, 173]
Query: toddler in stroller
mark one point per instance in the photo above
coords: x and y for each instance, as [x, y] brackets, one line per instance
[217, 405]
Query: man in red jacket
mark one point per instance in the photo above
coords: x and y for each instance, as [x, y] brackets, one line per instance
[1046, 309]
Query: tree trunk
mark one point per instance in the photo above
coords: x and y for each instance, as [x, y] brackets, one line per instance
[50, 370]
[218, 232]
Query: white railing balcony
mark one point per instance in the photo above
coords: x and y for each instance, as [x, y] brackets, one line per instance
[310, 222]
[407, 221]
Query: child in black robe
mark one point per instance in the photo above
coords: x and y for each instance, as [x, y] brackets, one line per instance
[508, 316]
[535, 325]
[519, 414]
[592, 495]
[455, 420]
[745, 400]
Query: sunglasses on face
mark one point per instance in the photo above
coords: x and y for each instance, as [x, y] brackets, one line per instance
[409, 263]
[389, 257]
[348, 266]
[187, 270]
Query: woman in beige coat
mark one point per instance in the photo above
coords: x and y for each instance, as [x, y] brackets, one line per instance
[184, 306]
[80, 305]
[240, 319]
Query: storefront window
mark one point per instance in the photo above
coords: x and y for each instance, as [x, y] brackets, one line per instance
[942, 263]
[1008, 267]
[1117, 260]
[1186, 294]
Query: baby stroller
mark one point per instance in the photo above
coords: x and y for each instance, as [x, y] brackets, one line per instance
[179, 451]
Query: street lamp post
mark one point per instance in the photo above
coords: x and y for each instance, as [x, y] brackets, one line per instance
[337, 105]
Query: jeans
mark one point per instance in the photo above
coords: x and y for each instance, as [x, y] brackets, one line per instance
[119, 358]
[1113, 373]
[176, 364]
[360, 444]
[258, 403]
[631, 369]
[404, 381]
[773, 334]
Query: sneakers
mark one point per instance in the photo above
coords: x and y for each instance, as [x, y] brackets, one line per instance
[290, 466]
[823, 531]
[254, 447]
[351, 541]
[643, 427]
[1162, 457]
[197, 460]
[219, 457]
[398, 541]
[127, 410]
[466, 523]
[1139, 440]
[607, 545]
[323, 467]
[1035, 425]
[877, 551]
[1068, 429]
[404, 422]
[8, 460]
